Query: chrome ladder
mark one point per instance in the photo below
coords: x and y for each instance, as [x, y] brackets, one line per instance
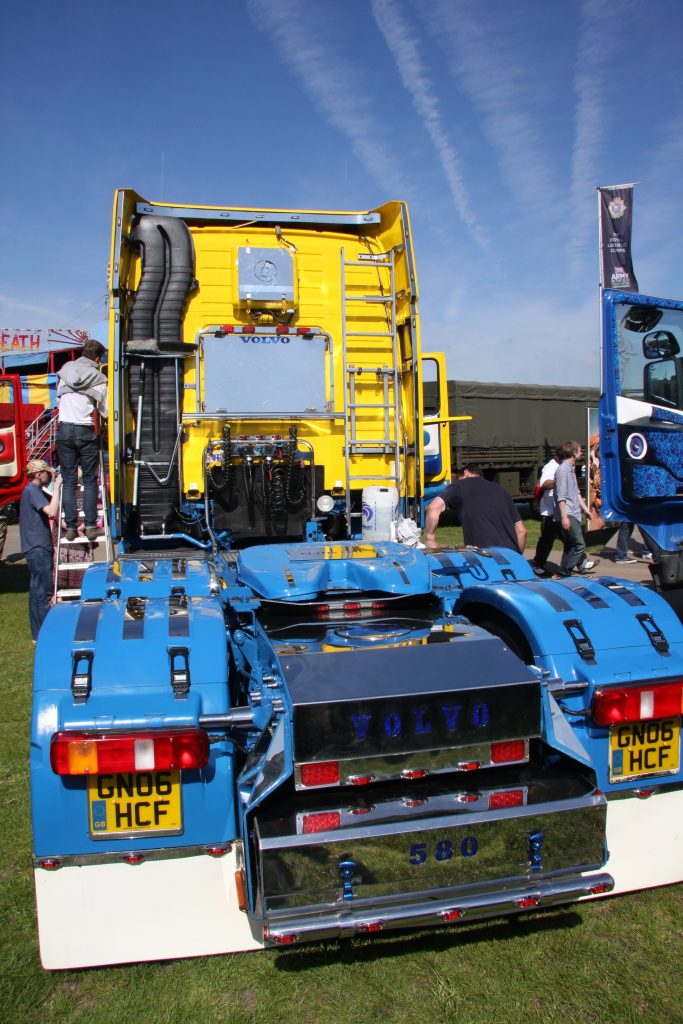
[365, 371]
[64, 547]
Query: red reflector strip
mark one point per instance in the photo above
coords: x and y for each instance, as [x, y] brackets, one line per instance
[323, 822]
[506, 798]
[637, 703]
[91, 753]
[322, 773]
[374, 926]
[599, 887]
[287, 939]
[509, 750]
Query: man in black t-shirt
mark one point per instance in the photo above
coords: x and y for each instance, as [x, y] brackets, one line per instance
[487, 513]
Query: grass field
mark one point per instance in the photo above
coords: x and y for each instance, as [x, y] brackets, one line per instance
[611, 960]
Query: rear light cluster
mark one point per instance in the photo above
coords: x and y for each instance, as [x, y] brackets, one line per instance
[328, 773]
[448, 915]
[348, 609]
[90, 753]
[637, 703]
[329, 821]
[250, 329]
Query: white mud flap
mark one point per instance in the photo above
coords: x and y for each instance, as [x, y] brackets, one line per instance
[645, 841]
[98, 914]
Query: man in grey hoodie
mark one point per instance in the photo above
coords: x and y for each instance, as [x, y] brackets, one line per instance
[81, 389]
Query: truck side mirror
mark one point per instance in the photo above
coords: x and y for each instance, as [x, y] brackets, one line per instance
[660, 345]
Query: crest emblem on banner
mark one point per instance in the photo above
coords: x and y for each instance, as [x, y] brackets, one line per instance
[617, 207]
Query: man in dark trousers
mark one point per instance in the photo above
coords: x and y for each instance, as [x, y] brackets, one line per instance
[36, 509]
[81, 389]
[487, 513]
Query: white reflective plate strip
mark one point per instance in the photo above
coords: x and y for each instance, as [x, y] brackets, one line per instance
[144, 755]
[647, 704]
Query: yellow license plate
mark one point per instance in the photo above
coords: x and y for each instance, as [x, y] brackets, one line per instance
[135, 804]
[644, 748]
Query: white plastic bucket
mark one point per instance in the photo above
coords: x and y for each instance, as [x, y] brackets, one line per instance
[380, 513]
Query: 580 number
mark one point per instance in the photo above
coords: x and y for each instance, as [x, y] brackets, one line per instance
[442, 850]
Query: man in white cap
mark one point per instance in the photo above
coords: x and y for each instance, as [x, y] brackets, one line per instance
[36, 509]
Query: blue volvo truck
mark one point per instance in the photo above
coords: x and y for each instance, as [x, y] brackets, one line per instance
[273, 717]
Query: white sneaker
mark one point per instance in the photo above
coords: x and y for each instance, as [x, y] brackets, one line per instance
[588, 564]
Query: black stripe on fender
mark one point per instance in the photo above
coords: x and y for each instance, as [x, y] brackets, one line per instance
[88, 617]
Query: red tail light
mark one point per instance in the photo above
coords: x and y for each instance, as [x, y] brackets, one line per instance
[370, 926]
[636, 703]
[509, 750]
[322, 822]
[285, 939]
[360, 780]
[528, 901]
[506, 798]
[91, 753]
[50, 863]
[598, 888]
[322, 773]
[133, 858]
[227, 328]
[450, 915]
[282, 330]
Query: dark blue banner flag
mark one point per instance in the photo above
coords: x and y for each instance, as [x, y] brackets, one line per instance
[616, 218]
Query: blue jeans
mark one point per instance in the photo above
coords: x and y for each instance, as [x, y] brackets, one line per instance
[624, 536]
[78, 445]
[574, 553]
[40, 562]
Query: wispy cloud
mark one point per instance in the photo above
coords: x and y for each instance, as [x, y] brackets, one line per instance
[602, 30]
[414, 75]
[331, 83]
[14, 307]
[482, 60]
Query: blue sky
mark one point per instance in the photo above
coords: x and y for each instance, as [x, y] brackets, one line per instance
[495, 119]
